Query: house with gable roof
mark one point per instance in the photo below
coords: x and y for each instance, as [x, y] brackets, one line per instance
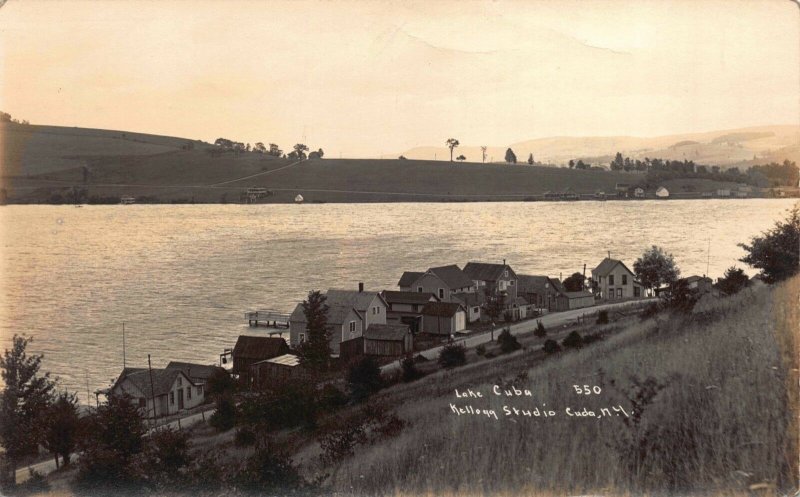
[612, 280]
[442, 281]
[159, 392]
[493, 278]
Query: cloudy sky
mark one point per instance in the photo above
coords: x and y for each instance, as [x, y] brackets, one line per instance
[378, 77]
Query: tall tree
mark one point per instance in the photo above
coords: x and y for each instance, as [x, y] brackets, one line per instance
[618, 163]
[259, 147]
[300, 150]
[483, 153]
[777, 251]
[530, 159]
[511, 157]
[61, 427]
[574, 283]
[655, 268]
[451, 144]
[26, 396]
[315, 352]
[275, 150]
[733, 281]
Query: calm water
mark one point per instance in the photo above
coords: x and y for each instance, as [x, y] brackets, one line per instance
[181, 276]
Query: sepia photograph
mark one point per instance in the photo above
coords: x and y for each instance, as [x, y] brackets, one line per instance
[400, 248]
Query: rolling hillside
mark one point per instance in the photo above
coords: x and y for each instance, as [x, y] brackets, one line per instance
[43, 164]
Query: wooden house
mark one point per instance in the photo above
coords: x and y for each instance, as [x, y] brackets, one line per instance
[441, 281]
[493, 278]
[612, 280]
[344, 323]
[159, 392]
[406, 308]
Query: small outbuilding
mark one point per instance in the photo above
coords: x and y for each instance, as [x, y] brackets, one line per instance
[662, 192]
[443, 318]
[392, 340]
[249, 350]
[281, 368]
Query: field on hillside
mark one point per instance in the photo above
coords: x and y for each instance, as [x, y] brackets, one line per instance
[710, 400]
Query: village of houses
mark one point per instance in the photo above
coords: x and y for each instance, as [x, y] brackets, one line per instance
[429, 308]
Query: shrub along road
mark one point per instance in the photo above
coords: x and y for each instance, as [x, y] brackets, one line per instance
[548, 320]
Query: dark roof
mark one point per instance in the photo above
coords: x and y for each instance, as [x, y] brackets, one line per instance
[387, 332]
[360, 301]
[470, 299]
[452, 276]
[260, 348]
[194, 371]
[393, 297]
[534, 283]
[444, 309]
[690, 279]
[408, 278]
[607, 265]
[162, 380]
[336, 314]
[485, 271]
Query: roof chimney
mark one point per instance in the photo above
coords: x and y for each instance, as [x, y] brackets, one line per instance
[360, 286]
[504, 262]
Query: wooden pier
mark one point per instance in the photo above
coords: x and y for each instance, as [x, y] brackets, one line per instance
[267, 318]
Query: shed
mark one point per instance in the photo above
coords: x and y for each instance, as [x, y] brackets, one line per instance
[283, 367]
[388, 340]
[249, 350]
[443, 318]
[662, 192]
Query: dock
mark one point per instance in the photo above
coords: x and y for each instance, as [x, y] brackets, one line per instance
[267, 318]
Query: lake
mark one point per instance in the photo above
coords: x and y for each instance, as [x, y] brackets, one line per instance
[181, 276]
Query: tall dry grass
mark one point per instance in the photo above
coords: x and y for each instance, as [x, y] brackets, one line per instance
[725, 418]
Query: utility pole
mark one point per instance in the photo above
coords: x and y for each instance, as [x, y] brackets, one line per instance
[123, 346]
[708, 260]
[152, 389]
[88, 395]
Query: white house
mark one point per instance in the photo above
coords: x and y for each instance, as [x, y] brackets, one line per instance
[662, 192]
[170, 390]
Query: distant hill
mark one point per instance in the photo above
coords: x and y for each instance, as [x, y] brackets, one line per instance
[723, 148]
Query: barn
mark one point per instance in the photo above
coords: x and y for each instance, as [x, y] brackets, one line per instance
[388, 340]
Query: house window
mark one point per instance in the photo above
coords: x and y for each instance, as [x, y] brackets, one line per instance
[505, 273]
[511, 283]
[188, 393]
[199, 391]
[637, 292]
[476, 310]
[352, 326]
[611, 294]
[610, 279]
[419, 289]
[441, 293]
[624, 279]
[179, 381]
[619, 292]
[172, 398]
[302, 337]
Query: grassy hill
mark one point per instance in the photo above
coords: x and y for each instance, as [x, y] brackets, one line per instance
[720, 418]
[43, 163]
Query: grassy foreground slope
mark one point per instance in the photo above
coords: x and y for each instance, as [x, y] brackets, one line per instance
[724, 419]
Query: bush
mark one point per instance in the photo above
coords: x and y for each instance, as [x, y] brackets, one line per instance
[551, 346]
[573, 340]
[35, 484]
[370, 424]
[489, 355]
[480, 350]
[508, 342]
[266, 473]
[364, 379]
[410, 371]
[733, 281]
[245, 437]
[602, 317]
[540, 330]
[168, 451]
[452, 355]
[508, 316]
[289, 404]
[420, 358]
[331, 397]
[777, 252]
[592, 337]
[650, 310]
[219, 384]
[224, 417]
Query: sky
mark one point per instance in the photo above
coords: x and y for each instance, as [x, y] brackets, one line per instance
[372, 78]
